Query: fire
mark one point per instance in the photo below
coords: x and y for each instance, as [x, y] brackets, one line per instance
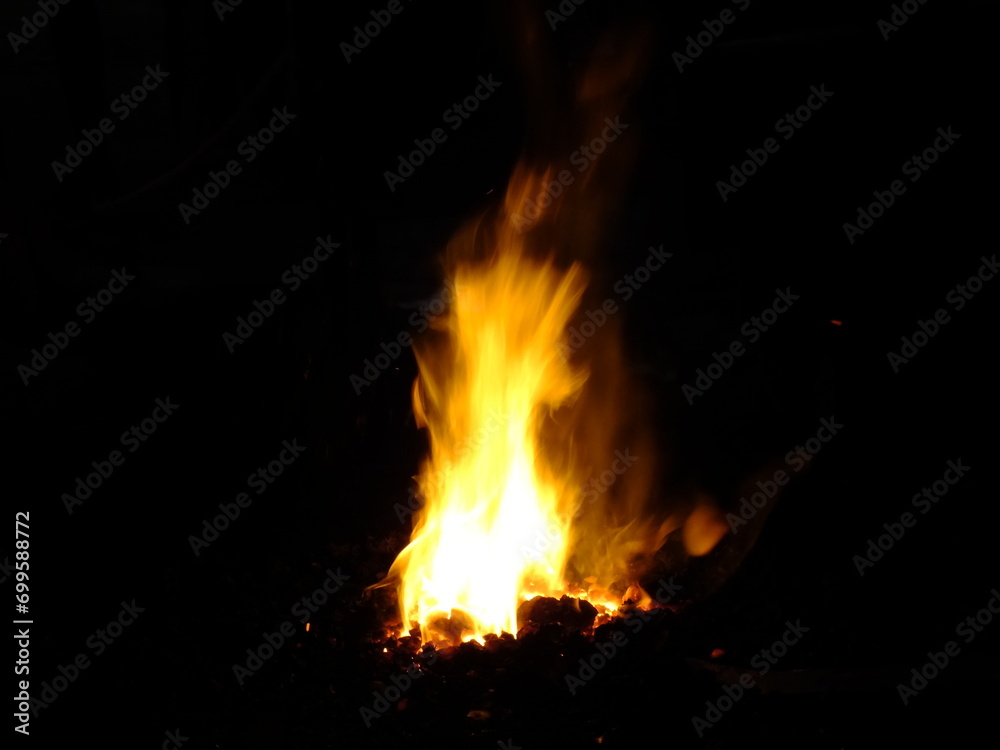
[495, 526]
[501, 488]
[518, 422]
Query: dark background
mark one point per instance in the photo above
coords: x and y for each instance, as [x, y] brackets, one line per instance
[323, 176]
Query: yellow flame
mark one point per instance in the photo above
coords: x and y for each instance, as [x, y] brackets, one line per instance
[495, 525]
[503, 485]
[513, 435]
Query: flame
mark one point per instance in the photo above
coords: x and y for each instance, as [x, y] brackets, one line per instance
[515, 426]
[495, 526]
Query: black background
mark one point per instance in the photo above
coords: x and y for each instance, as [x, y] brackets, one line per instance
[323, 176]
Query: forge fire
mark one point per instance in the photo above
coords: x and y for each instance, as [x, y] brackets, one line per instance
[502, 520]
